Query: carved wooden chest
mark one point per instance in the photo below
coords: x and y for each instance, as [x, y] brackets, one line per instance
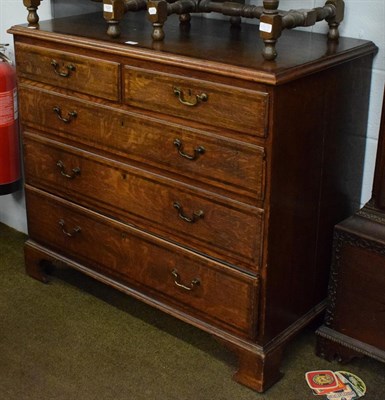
[355, 318]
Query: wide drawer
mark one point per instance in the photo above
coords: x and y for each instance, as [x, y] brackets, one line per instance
[83, 74]
[211, 103]
[226, 164]
[196, 285]
[198, 219]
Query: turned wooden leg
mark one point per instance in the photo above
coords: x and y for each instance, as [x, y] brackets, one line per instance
[235, 21]
[32, 6]
[185, 18]
[257, 370]
[270, 28]
[334, 22]
[157, 14]
[113, 12]
[36, 263]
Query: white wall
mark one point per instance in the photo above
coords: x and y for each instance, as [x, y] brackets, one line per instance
[363, 19]
[366, 20]
[12, 206]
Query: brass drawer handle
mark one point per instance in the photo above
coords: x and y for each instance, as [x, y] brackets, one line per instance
[197, 151]
[67, 69]
[75, 171]
[181, 97]
[75, 230]
[71, 115]
[177, 280]
[195, 217]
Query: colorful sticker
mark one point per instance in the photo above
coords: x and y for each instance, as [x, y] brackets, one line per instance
[356, 382]
[324, 379]
[341, 386]
[348, 394]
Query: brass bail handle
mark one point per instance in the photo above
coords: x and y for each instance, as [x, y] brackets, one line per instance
[196, 216]
[67, 69]
[71, 115]
[75, 230]
[198, 151]
[178, 282]
[74, 172]
[198, 98]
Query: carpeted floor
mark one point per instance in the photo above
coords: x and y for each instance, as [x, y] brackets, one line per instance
[76, 339]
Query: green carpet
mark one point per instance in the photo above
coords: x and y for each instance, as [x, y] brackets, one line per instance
[78, 339]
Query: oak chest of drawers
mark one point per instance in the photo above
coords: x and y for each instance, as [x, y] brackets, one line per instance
[192, 174]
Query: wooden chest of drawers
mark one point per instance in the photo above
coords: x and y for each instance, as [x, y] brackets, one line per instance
[192, 174]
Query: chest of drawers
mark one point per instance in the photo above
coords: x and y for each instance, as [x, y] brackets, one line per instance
[192, 174]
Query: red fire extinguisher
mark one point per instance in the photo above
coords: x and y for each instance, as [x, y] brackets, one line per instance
[10, 175]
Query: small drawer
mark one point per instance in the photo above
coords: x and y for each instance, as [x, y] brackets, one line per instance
[198, 219]
[189, 282]
[235, 167]
[211, 103]
[69, 71]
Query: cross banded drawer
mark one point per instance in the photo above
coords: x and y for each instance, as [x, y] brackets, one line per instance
[201, 220]
[226, 164]
[83, 74]
[172, 275]
[214, 104]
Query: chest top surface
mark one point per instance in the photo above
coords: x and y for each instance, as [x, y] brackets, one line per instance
[205, 44]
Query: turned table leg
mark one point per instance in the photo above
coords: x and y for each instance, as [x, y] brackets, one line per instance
[32, 6]
[157, 14]
[113, 12]
[270, 28]
[334, 22]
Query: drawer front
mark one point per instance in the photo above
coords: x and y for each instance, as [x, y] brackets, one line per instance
[188, 282]
[200, 220]
[225, 164]
[69, 71]
[214, 104]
